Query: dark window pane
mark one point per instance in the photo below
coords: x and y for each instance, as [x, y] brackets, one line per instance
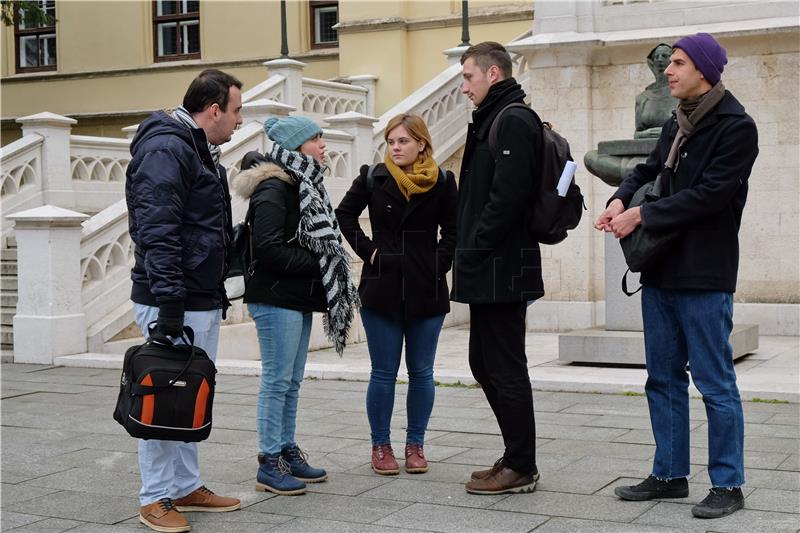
[192, 6]
[166, 7]
[326, 17]
[29, 51]
[191, 37]
[167, 39]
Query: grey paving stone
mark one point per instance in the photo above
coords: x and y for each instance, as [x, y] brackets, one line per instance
[346, 484]
[772, 430]
[11, 520]
[575, 525]
[242, 520]
[574, 506]
[679, 516]
[611, 465]
[784, 501]
[316, 427]
[118, 442]
[752, 459]
[223, 435]
[317, 443]
[309, 525]
[340, 462]
[433, 492]
[789, 420]
[100, 508]
[772, 479]
[587, 482]
[105, 528]
[791, 463]
[330, 507]
[97, 481]
[470, 440]
[12, 494]
[483, 426]
[126, 462]
[563, 419]
[617, 421]
[228, 471]
[600, 449]
[461, 520]
[550, 431]
[49, 525]
[19, 472]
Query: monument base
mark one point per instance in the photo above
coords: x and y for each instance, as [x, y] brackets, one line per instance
[596, 345]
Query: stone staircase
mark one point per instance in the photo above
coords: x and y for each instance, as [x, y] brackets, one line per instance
[8, 298]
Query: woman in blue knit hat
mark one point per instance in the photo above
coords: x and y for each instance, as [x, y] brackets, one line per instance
[300, 267]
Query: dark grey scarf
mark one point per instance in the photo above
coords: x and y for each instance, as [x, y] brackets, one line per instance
[318, 232]
[184, 117]
[689, 114]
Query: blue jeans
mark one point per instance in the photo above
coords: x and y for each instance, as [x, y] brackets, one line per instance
[283, 339]
[385, 342]
[692, 326]
[171, 469]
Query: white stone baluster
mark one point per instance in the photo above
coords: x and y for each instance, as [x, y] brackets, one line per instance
[56, 172]
[292, 71]
[369, 82]
[360, 127]
[50, 320]
[130, 131]
[261, 110]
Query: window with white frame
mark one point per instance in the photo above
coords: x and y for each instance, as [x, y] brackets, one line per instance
[324, 15]
[36, 39]
[176, 29]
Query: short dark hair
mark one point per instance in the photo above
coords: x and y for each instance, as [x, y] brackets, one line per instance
[211, 86]
[489, 53]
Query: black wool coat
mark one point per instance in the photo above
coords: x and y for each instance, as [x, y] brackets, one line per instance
[286, 274]
[407, 277]
[497, 258]
[704, 199]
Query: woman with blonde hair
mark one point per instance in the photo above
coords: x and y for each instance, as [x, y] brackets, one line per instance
[404, 295]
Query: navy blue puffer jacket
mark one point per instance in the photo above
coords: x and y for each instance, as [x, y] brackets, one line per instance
[179, 216]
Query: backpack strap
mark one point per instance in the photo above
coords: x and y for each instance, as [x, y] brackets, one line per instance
[492, 137]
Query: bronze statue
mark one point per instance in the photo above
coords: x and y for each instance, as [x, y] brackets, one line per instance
[614, 160]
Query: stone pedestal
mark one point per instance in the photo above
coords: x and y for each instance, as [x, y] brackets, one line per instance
[50, 319]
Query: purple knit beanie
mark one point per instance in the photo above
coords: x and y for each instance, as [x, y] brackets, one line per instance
[706, 53]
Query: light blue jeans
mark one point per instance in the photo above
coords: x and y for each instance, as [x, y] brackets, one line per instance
[283, 339]
[680, 327]
[171, 469]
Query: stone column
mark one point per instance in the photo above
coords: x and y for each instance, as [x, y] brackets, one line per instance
[261, 110]
[454, 54]
[56, 171]
[130, 131]
[50, 319]
[367, 81]
[292, 71]
[360, 127]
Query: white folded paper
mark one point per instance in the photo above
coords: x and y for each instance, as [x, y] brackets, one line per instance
[566, 178]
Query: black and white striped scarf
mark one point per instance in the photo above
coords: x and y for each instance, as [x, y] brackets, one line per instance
[318, 231]
[184, 117]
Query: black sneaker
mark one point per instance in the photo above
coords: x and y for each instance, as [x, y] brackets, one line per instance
[719, 502]
[652, 487]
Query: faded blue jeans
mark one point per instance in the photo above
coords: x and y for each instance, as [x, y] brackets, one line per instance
[691, 326]
[283, 336]
[170, 469]
[385, 341]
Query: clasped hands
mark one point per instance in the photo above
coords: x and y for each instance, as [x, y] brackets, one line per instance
[618, 220]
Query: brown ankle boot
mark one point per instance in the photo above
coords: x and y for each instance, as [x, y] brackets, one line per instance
[415, 459]
[383, 461]
[503, 481]
[483, 474]
[162, 516]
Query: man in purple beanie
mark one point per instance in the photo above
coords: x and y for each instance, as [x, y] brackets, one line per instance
[705, 154]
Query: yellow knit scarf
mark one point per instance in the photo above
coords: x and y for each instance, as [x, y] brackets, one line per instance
[423, 177]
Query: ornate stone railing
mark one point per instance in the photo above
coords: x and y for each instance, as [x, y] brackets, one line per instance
[21, 181]
[270, 89]
[323, 99]
[97, 169]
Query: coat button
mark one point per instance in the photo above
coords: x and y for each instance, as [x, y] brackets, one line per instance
[389, 207]
[684, 154]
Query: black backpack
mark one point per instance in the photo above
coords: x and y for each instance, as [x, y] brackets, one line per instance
[553, 215]
[166, 390]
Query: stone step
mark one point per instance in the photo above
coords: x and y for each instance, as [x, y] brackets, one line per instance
[8, 283]
[8, 299]
[7, 315]
[11, 241]
[8, 254]
[6, 336]
[8, 268]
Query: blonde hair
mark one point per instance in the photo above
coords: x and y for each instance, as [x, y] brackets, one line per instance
[415, 127]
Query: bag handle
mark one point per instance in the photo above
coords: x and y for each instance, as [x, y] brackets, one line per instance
[187, 336]
[625, 284]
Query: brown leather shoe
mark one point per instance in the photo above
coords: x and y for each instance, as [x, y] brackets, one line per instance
[383, 461]
[162, 516]
[206, 501]
[483, 474]
[415, 459]
[503, 481]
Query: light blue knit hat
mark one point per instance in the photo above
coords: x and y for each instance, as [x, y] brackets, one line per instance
[291, 132]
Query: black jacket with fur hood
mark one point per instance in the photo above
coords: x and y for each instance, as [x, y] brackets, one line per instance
[286, 275]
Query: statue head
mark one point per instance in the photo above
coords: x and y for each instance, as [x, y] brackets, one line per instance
[658, 60]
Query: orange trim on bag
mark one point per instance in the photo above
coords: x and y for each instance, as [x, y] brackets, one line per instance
[200, 404]
[148, 402]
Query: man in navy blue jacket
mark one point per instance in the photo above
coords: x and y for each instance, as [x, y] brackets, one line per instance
[179, 217]
[705, 154]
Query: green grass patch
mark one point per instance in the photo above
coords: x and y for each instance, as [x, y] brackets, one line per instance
[632, 393]
[458, 384]
[768, 400]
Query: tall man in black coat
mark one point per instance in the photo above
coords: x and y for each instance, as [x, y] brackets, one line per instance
[705, 154]
[497, 267]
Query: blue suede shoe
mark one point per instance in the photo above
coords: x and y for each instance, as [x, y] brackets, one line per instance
[274, 476]
[299, 467]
